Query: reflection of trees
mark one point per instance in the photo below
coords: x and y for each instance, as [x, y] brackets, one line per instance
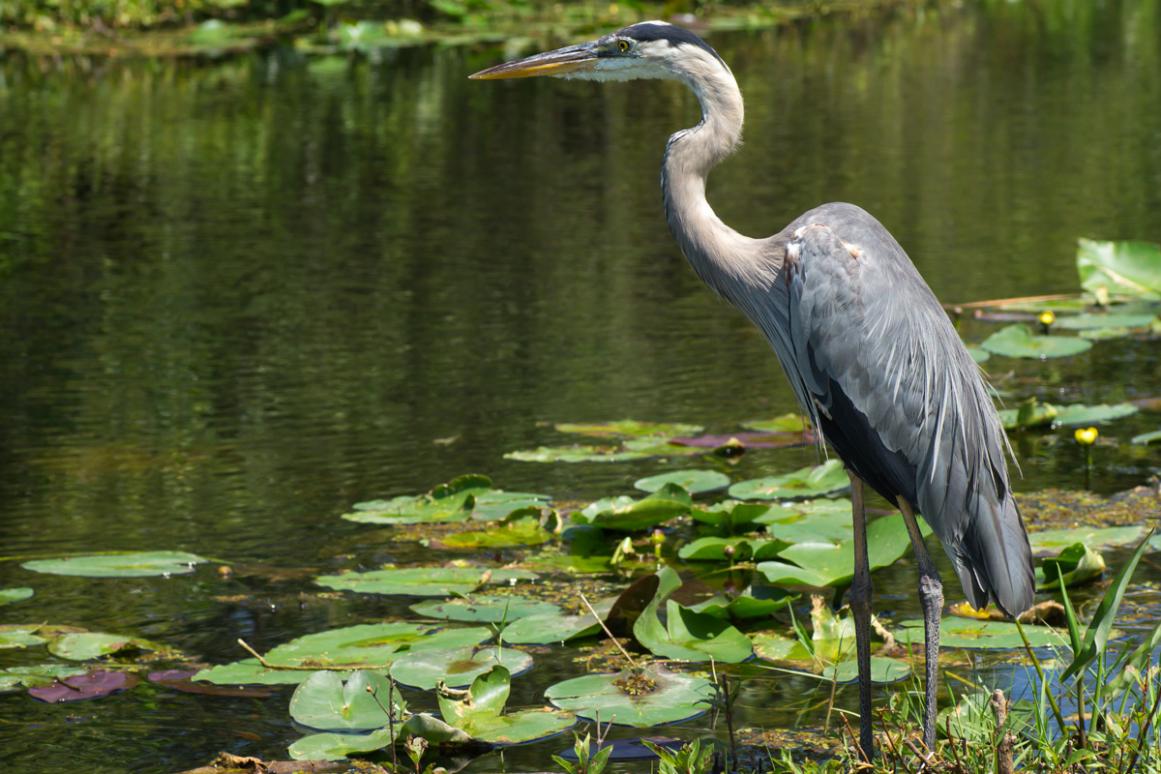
[256, 290]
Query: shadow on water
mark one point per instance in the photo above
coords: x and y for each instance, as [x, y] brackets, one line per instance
[236, 298]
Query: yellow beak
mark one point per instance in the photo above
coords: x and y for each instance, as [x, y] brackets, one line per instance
[563, 60]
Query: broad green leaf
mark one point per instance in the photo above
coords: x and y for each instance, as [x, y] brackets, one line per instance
[329, 703]
[618, 613]
[883, 670]
[650, 696]
[625, 514]
[370, 646]
[486, 697]
[979, 355]
[83, 646]
[1030, 413]
[18, 678]
[1147, 438]
[630, 428]
[808, 521]
[250, 672]
[780, 649]
[1081, 322]
[807, 482]
[520, 727]
[481, 608]
[138, 564]
[456, 668]
[661, 447]
[334, 747]
[714, 549]
[421, 581]
[1109, 269]
[1056, 540]
[496, 504]
[955, 632]
[745, 605]
[15, 636]
[1019, 341]
[786, 423]
[470, 496]
[1075, 565]
[692, 481]
[577, 453]
[686, 634]
[17, 594]
[518, 532]
[730, 515]
[1078, 414]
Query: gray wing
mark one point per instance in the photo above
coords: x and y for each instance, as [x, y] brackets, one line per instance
[872, 355]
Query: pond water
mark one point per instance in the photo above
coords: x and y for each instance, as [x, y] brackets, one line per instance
[237, 297]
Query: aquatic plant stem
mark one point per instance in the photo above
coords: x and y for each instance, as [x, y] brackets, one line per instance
[1040, 673]
[625, 653]
[1143, 737]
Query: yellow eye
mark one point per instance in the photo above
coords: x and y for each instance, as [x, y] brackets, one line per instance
[623, 46]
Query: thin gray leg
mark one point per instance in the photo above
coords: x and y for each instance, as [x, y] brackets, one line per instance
[931, 597]
[860, 601]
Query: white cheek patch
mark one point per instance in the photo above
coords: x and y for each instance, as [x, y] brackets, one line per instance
[620, 69]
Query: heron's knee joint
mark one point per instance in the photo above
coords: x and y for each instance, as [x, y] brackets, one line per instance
[931, 590]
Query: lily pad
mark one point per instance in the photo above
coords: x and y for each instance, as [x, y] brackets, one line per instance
[786, 423]
[329, 703]
[1056, 540]
[1075, 565]
[18, 594]
[1030, 413]
[576, 453]
[1147, 438]
[20, 637]
[250, 672]
[421, 581]
[370, 646]
[730, 515]
[650, 696]
[1019, 341]
[456, 668]
[1082, 322]
[1125, 268]
[780, 649]
[618, 614]
[624, 514]
[517, 532]
[470, 496]
[714, 549]
[808, 521]
[746, 605]
[1078, 414]
[480, 608]
[807, 482]
[91, 685]
[480, 713]
[629, 428]
[17, 678]
[883, 670]
[979, 355]
[139, 564]
[692, 481]
[687, 635]
[955, 632]
[334, 747]
[83, 646]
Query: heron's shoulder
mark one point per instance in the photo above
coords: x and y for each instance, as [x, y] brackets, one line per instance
[840, 225]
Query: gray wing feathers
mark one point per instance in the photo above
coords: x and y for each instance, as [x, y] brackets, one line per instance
[860, 319]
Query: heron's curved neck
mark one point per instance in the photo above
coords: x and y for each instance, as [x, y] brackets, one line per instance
[723, 258]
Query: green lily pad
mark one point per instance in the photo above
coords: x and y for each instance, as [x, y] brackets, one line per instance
[745, 606]
[466, 497]
[713, 549]
[421, 581]
[955, 632]
[1075, 565]
[1056, 540]
[809, 521]
[832, 563]
[329, 703]
[730, 515]
[1147, 438]
[572, 562]
[780, 649]
[978, 354]
[629, 428]
[18, 678]
[335, 747]
[660, 447]
[1082, 322]
[456, 668]
[806, 482]
[1104, 334]
[883, 670]
[650, 696]
[17, 594]
[480, 713]
[140, 564]
[1030, 413]
[618, 614]
[1125, 268]
[576, 453]
[83, 646]
[786, 423]
[692, 481]
[498, 504]
[517, 532]
[1078, 414]
[687, 635]
[15, 636]
[1019, 341]
[250, 672]
[370, 646]
[480, 608]
[624, 514]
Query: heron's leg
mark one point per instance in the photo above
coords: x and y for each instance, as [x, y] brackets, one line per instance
[931, 597]
[860, 600]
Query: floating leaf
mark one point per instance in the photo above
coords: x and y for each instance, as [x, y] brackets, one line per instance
[369, 646]
[92, 685]
[745, 605]
[334, 747]
[1147, 438]
[456, 668]
[883, 670]
[1078, 414]
[20, 637]
[576, 453]
[1056, 540]
[687, 635]
[731, 515]
[182, 680]
[18, 594]
[17, 678]
[1126, 268]
[1081, 322]
[1076, 564]
[650, 696]
[497, 504]
[714, 549]
[806, 482]
[629, 428]
[659, 447]
[139, 564]
[465, 497]
[421, 581]
[955, 632]
[692, 481]
[1030, 413]
[786, 423]
[518, 532]
[1019, 341]
[329, 703]
[625, 514]
[250, 672]
[780, 649]
[618, 614]
[728, 443]
[979, 355]
[83, 646]
[808, 521]
[480, 713]
[481, 608]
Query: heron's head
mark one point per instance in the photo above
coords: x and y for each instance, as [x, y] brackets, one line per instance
[652, 49]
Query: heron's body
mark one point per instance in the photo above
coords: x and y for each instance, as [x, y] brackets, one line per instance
[867, 348]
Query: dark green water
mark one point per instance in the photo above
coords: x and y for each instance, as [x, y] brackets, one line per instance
[236, 298]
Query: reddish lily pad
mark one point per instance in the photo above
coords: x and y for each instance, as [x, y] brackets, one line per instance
[92, 685]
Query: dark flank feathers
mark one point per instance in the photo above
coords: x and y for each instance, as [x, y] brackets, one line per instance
[647, 31]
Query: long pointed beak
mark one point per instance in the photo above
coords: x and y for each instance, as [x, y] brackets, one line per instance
[563, 60]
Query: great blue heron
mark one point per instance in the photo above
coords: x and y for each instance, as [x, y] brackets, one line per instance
[871, 355]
